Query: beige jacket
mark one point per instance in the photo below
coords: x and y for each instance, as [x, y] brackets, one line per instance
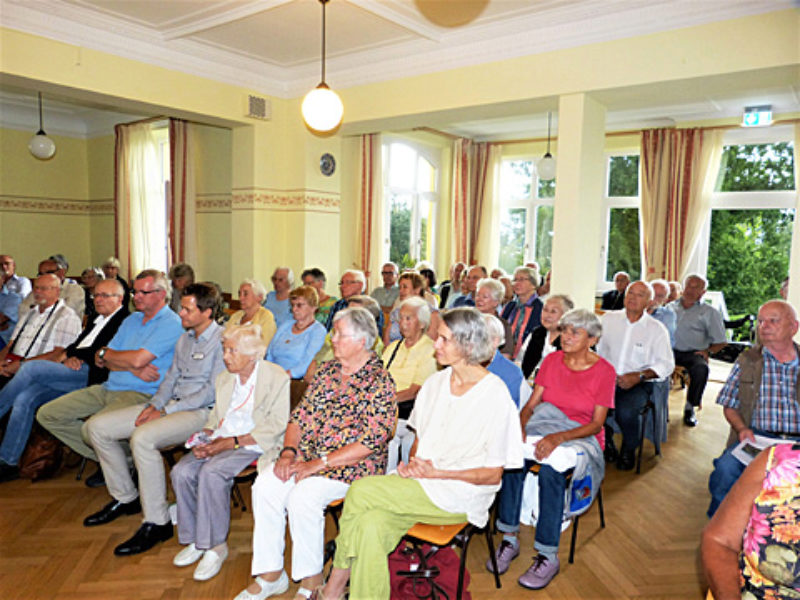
[270, 413]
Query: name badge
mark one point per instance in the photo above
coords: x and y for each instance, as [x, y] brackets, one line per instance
[198, 356]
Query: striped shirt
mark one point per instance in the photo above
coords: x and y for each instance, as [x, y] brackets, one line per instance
[777, 409]
[38, 333]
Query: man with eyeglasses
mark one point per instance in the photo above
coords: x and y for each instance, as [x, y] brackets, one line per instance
[352, 283]
[13, 289]
[386, 295]
[70, 292]
[40, 381]
[137, 357]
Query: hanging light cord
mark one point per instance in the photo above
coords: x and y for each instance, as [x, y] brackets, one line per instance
[549, 115]
[323, 2]
[41, 126]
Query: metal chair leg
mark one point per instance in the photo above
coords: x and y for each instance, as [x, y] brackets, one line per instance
[574, 539]
[493, 557]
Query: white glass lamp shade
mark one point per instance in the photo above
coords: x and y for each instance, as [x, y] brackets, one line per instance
[322, 108]
[546, 167]
[41, 146]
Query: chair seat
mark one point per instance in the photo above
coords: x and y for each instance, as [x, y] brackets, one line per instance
[438, 535]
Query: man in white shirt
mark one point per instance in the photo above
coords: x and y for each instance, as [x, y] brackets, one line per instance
[638, 347]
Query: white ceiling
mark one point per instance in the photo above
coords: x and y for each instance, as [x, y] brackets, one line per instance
[273, 46]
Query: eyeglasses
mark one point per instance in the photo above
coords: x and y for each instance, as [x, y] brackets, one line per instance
[48, 272]
[145, 292]
[114, 295]
[387, 272]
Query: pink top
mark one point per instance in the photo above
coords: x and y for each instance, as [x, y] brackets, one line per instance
[576, 393]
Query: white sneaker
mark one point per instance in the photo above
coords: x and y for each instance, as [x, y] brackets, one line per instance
[211, 564]
[268, 588]
[189, 555]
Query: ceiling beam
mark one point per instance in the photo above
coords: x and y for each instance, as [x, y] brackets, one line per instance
[237, 10]
[384, 10]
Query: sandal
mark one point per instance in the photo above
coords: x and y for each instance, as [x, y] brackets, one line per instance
[304, 592]
[317, 594]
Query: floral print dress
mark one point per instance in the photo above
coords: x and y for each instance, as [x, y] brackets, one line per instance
[770, 558]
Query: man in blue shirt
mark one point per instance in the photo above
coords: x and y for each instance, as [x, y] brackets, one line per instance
[137, 357]
[13, 289]
[178, 409]
[469, 286]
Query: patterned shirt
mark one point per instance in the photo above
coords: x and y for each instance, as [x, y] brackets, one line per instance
[331, 417]
[39, 332]
[776, 409]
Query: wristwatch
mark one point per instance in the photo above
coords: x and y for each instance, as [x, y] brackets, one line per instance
[324, 459]
[641, 376]
[102, 352]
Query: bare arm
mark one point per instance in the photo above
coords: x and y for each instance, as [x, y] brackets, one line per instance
[527, 410]
[125, 360]
[420, 468]
[722, 537]
[736, 421]
[346, 455]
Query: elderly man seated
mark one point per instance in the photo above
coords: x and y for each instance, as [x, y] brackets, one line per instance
[615, 299]
[40, 381]
[352, 283]
[13, 289]
[469, 287]
[277, 301]
[178, 409]
[44, 330]
[71, 292]
[761, 395]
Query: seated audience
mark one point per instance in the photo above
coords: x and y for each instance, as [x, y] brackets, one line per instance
[137, 357]
[675, 291]
[497, 273]
[615, 299]
[508, 292]
[337, 435]
[70, 292]
[574, 390]
[450, 289]
[246, 423]
[429, 287]
[749, 548]
[89, 279]
[39, 381]
[469, 286]
[13, 289]
[43, 331]
[660, 310]
[544, 288]
[277, 301]
[523, 313]
[316, 279]
[487, 300]
[386, 295]
[638, 347]
[761, 395]
[299, 339]
[699, 333]
[545, 338]
[177, 409]
[411, 285]
[352, 283]
[467, 433]
[181, 275]
[410, 361]
[251, 296]
[111, 270]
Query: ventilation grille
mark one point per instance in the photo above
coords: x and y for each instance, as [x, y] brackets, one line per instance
[258, 108]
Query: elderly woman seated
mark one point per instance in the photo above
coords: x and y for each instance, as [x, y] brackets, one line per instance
[411, 284]
[467, 433]
[338, 434]
[246, 423]
[488, 296]
[300, 338]
[545, 338]
[410, 361]
[251, 294]
[564, 417]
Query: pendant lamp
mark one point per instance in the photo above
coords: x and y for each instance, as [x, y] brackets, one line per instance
[546, 167]
[322, 108]
[41, 146]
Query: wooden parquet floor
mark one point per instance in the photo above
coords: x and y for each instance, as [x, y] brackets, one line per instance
[648, 550]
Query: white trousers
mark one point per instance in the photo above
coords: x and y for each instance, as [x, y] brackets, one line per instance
[401, 443]
[305, 504]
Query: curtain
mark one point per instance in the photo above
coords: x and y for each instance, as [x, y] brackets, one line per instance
[473, 173]
[679, 173]
[369, 214]
[794, 257]
[140, 229]
[181, 203]
[487, 245]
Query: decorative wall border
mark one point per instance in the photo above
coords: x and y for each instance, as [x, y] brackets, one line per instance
[213, 203]
[286, 200]
[40, 205]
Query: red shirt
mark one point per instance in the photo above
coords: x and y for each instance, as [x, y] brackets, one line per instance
[576, 393]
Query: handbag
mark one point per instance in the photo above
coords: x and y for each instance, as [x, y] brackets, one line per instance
[42, 456]
[410, 579]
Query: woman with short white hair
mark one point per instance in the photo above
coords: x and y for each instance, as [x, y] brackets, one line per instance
[489, 295]
[251, 294]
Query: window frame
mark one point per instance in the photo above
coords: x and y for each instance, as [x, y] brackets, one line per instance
[610, 202]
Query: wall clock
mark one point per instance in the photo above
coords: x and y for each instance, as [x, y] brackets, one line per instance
[327, 164]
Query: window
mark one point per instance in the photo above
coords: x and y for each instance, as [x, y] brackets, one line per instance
[411, 197]
[750, 232]
[623, 242]
[526, 222]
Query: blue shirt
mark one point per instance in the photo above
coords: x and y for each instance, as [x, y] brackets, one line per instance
[777, 408]
[666, 316]
[158, 336]
[510, 373]
[11, 294]
[295, 351]
[466, 300]
[280, 309]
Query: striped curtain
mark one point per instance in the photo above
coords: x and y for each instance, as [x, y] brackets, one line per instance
[369, 215]
[679, 172]
[181, 199]
[473, 195]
